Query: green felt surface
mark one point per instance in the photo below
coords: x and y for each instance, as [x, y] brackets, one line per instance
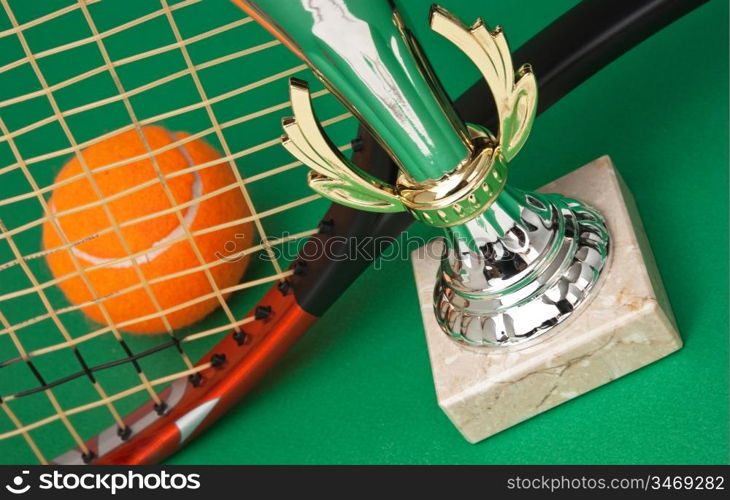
[358, 389]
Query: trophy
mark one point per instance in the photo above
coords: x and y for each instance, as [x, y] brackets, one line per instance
[537, 297]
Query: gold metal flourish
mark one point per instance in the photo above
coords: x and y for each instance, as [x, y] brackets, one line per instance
[333, 175]
[516, 101]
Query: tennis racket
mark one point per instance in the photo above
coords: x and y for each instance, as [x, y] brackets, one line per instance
[74, 73]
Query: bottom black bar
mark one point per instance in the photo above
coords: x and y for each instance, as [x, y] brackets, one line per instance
[363, 482]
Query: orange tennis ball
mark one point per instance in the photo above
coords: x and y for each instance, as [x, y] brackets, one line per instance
[153, 233]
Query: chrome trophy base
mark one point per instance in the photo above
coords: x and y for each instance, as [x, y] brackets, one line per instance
[521, 268]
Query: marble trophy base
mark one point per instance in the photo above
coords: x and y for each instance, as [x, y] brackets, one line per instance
[628, 324]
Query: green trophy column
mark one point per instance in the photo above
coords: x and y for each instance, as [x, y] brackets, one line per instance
[364, 54]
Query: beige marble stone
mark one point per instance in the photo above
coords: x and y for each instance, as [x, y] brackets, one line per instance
[627, 325]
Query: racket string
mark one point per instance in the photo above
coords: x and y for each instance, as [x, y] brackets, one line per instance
[100, 402]
[137, 91]
[53, 316]
[47, 390]
[59, 230]
[178, 212]
[203, 102]
[146, 121]
[226, 151]
[113, 31]
[24, 433]
[50, 17]
[160, 279]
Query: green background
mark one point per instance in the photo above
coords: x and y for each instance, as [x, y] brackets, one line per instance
[357, 388]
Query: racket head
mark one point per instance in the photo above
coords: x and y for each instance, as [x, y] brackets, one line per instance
[74, 73]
